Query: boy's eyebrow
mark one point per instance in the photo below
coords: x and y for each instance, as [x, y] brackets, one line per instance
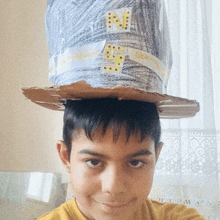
[140, 153]
[135, 154]
[93, 153]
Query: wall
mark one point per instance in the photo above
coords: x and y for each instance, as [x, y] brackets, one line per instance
[28, 132]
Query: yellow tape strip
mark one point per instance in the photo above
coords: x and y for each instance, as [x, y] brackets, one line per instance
[78, 56]
[149, 61]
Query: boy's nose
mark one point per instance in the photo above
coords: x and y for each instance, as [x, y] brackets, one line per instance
[114, 180]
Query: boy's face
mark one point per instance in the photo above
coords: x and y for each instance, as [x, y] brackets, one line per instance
[110, 180]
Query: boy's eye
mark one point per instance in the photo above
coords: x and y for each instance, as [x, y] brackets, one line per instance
[136, 163]
[93, 163]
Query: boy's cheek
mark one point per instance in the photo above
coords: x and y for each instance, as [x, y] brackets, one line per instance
[82, 180]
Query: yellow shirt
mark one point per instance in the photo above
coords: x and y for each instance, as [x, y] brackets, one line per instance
[151, 210]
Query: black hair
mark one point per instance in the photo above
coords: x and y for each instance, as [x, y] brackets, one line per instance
[136, 117]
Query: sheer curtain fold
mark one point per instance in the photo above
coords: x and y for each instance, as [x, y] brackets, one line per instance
[188, 167]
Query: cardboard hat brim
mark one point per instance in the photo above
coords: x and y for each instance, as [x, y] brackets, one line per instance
[54, 98]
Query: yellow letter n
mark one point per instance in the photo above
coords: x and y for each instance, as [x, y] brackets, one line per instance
[114, 24]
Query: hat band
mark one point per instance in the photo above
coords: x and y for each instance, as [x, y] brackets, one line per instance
[107, 65]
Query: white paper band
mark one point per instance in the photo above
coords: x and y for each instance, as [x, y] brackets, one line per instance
[101, 60]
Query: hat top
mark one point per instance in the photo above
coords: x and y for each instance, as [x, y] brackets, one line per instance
[109, 43]
[116, 47]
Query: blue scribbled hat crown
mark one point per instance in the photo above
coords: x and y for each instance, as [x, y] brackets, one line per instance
[109, 43]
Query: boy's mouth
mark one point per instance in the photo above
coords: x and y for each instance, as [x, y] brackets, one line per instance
[114, 207]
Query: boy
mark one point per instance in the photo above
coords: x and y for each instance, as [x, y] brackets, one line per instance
[110, 150]
[111, 135]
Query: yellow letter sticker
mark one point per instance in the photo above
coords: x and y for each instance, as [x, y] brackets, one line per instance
[114, 58]
[118, 20]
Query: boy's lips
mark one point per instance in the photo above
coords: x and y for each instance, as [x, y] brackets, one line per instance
[115, 207]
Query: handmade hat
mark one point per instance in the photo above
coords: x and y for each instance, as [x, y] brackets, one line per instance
[109, 48]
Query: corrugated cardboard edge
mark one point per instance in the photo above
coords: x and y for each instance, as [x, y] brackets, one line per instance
[54, 97]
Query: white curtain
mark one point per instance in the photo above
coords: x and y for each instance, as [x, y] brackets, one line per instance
[188, 169]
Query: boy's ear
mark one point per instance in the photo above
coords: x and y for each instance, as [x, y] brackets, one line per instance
[159, 147]
[63, 153]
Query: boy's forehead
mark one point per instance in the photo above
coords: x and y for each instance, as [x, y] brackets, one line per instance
[112, 132]
[106, 145]
[120, 132]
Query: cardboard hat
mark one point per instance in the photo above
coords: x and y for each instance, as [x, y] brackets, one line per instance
[109, 48]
